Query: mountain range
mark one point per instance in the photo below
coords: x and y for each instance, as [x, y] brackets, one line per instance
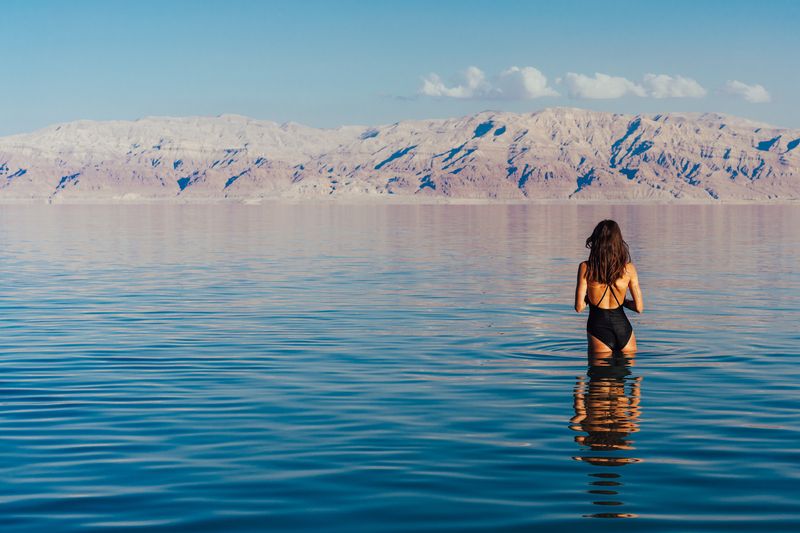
[554, 154]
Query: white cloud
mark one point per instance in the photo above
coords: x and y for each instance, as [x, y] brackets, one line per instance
[664, 86]
[473, 84]
[523, 83]
[601, 86]
[526, 83]
[756, 94]
[514, 83]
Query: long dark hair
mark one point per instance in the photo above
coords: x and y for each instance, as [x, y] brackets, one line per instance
[608, 253]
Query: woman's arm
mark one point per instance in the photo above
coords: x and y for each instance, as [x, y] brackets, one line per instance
[580, 289]
[637, 304]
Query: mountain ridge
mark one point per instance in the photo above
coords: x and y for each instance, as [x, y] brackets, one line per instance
[567, 154]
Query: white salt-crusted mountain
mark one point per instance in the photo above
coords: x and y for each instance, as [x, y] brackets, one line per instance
[547, 155]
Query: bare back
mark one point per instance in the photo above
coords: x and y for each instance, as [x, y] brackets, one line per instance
[595, 293]
[608, 298]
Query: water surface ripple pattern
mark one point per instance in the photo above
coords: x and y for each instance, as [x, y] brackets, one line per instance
[340, 368]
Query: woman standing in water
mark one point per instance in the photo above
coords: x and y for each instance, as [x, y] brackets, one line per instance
[603, 281]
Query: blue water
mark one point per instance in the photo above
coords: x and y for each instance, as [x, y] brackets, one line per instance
[395, 368]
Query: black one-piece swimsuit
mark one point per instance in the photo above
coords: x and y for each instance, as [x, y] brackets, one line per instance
[610, 326]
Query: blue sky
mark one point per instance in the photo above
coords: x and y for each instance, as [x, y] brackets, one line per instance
[327, 63]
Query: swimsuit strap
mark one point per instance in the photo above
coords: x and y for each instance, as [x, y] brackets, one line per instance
[612, 294]
[603, 296]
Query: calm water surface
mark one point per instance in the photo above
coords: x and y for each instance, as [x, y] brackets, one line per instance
[341, 368]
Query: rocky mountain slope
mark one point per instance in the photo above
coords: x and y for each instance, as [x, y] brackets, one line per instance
[547, 155]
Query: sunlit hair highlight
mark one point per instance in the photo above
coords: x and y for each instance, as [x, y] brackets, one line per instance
[608, 253]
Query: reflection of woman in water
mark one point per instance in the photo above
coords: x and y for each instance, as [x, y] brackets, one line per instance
[607, 411]
[603, 281]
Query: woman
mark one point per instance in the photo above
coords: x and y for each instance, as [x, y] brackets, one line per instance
[603, 281]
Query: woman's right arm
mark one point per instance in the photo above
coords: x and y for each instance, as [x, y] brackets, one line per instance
[581, 288]
[637, 304]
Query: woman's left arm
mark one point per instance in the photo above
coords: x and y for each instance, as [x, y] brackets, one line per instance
[580, 289]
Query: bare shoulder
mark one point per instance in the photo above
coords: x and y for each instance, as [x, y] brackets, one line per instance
[630, 271]
[582, 272]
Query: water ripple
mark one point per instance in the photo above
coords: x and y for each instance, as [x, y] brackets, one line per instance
[394, 368]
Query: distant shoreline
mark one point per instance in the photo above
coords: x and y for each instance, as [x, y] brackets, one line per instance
[558, 155]
[384, 201]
